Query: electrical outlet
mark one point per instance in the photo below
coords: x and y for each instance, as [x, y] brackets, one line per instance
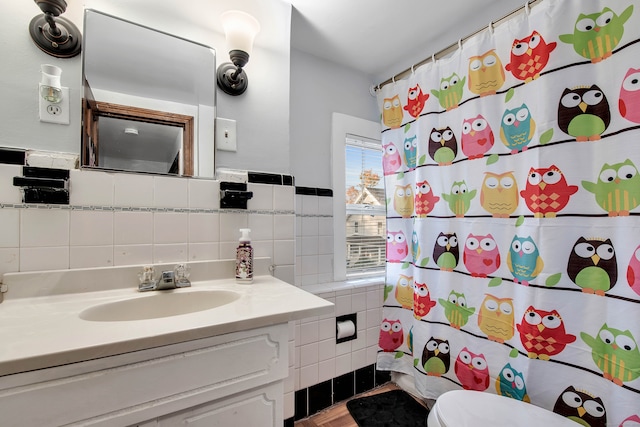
[55, 113]
[226, 134]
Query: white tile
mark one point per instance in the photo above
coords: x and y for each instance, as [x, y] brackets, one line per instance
[132, 254]
[292, 353]
[374, 317]
[133, 228]
[308, 376]
[308, 333]
[343, 348]
[170, 227]
[91, 228]
[343, 305]
[204, 251]
[309, 205]
[327, 348]
[343, 364]
[292, 330]
[170, 192]
[9, 193]
[261, 226]
[91, 188]
[359, 302]
[325, 278]
[262, 197]
[325, 205]
[228, 250]
[49, 258]
[309, 354]
[285, 273]
[289, 404]
[262, 249]
[309, 246]
[358, 359]
[325, 226]
[284, 252]
[9, 228]
[372, 355]
[298, 226]
[9, 260]
[230, 225]
[284, 197]
[90, 256]
[284, 227]
[204, 193]
[204, 227]
[296, 379]
[326, 370]
[359, 343]
[309, 226]
[170, 253]
[44, 227]
[308, 265]
[325, 245]
[361, 321]
[298, 204]
[374, 299]
[133, 190]
[372, 336]
[325, 264]
[297, 334]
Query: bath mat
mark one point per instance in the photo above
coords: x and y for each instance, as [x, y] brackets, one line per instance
[394, 408]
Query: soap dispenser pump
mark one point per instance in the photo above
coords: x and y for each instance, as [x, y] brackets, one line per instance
[244, 258]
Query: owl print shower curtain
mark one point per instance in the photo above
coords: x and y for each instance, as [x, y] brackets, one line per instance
[513, 204]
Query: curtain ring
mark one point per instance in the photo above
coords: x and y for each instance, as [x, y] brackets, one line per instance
[413, 72]
[460, 44]
[527, 8]
[490, 27]
[433, 58]
[393, 79]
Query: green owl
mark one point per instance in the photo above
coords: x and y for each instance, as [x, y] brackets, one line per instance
[460, 198]
[618, 188]
[616, 354]
[596, 35]
[450, 93]
[456, 310]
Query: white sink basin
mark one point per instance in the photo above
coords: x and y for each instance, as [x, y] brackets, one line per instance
[158, 304]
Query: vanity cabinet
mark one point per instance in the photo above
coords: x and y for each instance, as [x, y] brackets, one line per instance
[234, 379]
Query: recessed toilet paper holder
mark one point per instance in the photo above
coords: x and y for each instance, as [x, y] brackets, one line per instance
[346, 328]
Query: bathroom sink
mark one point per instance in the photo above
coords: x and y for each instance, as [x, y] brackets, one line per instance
[158, 304]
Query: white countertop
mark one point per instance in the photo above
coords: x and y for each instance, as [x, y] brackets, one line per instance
[42, 329]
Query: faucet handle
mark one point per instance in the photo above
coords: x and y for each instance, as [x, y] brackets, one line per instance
[182, 272]
[147, 278]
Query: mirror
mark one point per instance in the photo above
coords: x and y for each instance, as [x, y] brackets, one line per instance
[149, 100]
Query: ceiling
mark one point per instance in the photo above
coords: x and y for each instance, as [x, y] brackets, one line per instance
[383, 37]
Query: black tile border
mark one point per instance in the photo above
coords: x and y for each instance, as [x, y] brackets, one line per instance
[320, 397]
[270, 178]
[13, 156]
[311, 191]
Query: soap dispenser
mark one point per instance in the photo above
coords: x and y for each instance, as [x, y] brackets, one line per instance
[244, 258]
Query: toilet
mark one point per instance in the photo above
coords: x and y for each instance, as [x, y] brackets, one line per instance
[465, 408]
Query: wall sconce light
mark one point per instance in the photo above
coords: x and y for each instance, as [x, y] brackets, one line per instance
[240, 29]
[53, 34]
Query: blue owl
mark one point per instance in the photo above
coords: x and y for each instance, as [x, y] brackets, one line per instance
[510, 383]
[415, 247]
[411, 151]
[517, 128]
[524, 260]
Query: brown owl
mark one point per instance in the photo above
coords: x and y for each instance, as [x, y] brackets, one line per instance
[443, 145]
[583, 112]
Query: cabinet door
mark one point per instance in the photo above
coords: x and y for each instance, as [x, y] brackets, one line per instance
[261, 407]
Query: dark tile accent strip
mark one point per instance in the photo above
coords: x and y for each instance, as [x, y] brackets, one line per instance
[307, 191]
[325, 192]
[36, 172]
[239, 186]
[320, 397]
[289, 422]
[365, 379]
[343, 387]
[19, 181]
[288, 180]
[300, 404]
[382, 377]
[10, 156]
[54, 196]
[265, 178]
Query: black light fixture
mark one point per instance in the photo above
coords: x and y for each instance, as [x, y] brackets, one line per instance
[53, 34]
[240, 29]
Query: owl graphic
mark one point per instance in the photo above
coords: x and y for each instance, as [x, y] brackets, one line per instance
[411, 152]
[542, 333]
[391, 335]
[436, 358]
[510, 383]
[422, 302]
[450, 93]
[517, 128]
[629, 101]
[392, 112]
[391, 160]
[425, 199]
[547, 191]
[397, 247]
[403, 200]
[596, 35]
[472, 370]
[459, 198]
[615, 353]
[618, 188]
[523, 260]
[415, 247]
[443, 146]
[486, 74]
[583, 112]
[456, 310]
[581, 407]
[481, 255]
[446, 252]
[496, 318]
[529, 56]
[415, 101]
[499, 194]
[592, 265]
[633, 271]
[477, 137]
[404, 291]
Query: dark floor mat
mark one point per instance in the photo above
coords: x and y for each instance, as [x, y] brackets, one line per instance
[394, 408]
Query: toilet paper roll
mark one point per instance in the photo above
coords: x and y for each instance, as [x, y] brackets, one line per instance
[346, 329]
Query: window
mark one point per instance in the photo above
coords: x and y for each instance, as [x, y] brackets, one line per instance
[365, 206]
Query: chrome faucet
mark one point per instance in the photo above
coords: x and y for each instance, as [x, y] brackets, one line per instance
[170, 279]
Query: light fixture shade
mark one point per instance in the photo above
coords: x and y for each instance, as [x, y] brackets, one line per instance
[50, 87]
[240, 29]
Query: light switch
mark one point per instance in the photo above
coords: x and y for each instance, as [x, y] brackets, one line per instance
[226, 134]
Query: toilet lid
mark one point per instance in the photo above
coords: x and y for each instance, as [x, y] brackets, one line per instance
[462, 408]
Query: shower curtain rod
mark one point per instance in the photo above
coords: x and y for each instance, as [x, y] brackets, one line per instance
[453, 46]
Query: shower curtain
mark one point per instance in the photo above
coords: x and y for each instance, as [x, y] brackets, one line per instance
[513, 219]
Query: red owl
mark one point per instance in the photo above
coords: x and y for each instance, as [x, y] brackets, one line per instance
[547, 191]
[542, 333]
[415, 101]
[391, 335]
[629, 100]
[425, 200]
[529, 56]
[422, 302]
[472, 370]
